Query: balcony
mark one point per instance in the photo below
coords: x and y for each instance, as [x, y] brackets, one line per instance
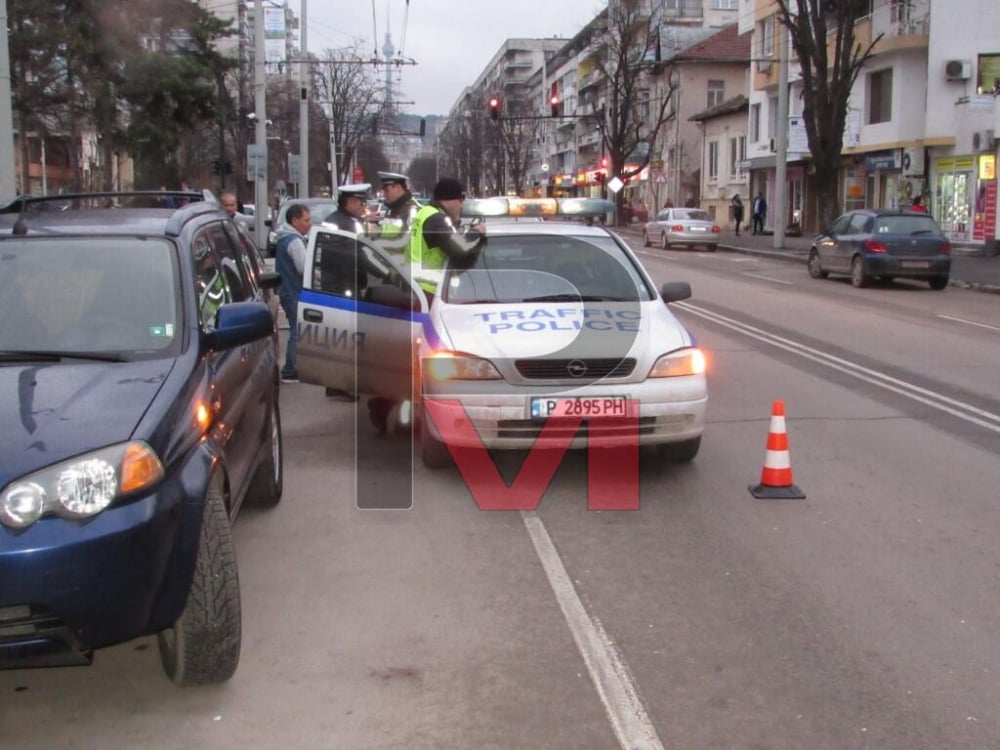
[902, 24]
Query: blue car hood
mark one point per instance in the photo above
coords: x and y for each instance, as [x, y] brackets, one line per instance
[49, 412]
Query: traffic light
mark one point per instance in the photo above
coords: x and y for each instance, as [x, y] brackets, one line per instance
[554, 103]
[495, 107]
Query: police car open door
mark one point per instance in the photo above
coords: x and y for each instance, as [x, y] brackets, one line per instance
[359, 317]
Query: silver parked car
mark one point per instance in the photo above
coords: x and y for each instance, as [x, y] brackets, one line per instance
[686, 227]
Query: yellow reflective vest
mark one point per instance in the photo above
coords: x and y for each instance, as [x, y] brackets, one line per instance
[426, 263]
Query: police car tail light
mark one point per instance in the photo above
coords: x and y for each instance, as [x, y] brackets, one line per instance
[80, 487]
[690, 361]
[457, 366]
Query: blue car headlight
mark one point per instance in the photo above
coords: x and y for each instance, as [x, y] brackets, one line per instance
[80, 487]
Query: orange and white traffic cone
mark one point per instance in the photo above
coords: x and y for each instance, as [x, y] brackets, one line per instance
[776, 476]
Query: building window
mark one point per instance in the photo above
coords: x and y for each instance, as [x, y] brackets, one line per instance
[716, 93]
[643, 106]
[767, 37]
[734, 158]
[772, 117]
[713, 161]
[880, 96]
[725, 4]
[755, 123]
[989, 74]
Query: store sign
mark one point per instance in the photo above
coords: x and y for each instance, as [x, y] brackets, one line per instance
[957, 164]
[882, 161]
[987, 167]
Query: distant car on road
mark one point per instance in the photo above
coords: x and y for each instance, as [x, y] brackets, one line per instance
[686, 227]
[635, 213]
[139, 398]
[883, 245]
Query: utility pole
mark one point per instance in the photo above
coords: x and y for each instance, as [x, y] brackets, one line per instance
[781, 144]
[261, 199]
[305, 73]
[8, 187]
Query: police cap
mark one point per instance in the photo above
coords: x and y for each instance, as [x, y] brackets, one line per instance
[357, 190]
[391, 177]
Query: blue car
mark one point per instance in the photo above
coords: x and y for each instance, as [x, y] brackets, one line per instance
[139, 403]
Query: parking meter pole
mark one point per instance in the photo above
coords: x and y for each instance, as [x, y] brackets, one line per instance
[261, 198]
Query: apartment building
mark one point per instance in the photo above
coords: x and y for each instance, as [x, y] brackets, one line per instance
[922, 115]
[724, 145]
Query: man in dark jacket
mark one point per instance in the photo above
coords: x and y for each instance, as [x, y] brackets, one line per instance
[352, 200]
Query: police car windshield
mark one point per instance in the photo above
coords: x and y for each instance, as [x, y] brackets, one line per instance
[538, 268]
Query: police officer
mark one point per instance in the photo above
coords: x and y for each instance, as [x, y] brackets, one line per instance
[402, 210]
[435, 238]
[352, 200]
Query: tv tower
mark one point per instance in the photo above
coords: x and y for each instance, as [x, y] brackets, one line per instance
[389, 53]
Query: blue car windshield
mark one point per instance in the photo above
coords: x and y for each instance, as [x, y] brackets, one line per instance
[89, 294]
[547, 267]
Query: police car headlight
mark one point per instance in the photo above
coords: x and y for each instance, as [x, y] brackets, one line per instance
[456, 366]
[690, 361]
[80, 487]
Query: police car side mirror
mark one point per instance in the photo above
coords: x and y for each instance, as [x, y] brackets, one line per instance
[675, 291]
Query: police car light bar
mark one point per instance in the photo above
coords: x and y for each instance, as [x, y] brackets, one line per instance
[486, 207]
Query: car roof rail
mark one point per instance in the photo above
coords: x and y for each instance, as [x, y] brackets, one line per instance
[187, 213]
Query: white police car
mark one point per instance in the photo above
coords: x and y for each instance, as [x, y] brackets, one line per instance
[554, 334]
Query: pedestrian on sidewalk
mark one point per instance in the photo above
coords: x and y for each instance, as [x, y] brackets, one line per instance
[759, 213]
[737, 208]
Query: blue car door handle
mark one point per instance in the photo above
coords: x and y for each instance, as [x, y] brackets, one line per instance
[313, 316]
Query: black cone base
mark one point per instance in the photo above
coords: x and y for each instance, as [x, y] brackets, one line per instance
[791, 492]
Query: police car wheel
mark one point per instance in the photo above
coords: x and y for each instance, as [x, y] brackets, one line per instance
[433, 453]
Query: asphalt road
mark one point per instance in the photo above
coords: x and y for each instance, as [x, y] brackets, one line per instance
[864, 616]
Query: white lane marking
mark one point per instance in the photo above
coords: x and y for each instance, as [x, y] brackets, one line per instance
[960, 409]
[608, 670]
[767, 278]
[969, 322]
[657, 256]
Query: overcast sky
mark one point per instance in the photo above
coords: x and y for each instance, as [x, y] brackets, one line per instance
[450, 40]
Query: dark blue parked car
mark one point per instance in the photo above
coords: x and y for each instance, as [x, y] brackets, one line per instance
[139, 408]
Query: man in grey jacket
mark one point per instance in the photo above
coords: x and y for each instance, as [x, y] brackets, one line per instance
[289, 262]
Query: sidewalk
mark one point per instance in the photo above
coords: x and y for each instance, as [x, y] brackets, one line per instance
[970, 269]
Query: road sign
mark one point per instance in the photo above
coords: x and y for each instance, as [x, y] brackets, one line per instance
[656, 166]
[615, 185]
[545, 167]
[256, 162]
[294, 168]
[661, 179]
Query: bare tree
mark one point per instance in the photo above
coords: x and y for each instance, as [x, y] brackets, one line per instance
[355, 101]
[817, 28]
[461, 150]
[631, 119]
[518, 133]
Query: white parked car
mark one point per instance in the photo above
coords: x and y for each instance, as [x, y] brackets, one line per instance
[554, 321]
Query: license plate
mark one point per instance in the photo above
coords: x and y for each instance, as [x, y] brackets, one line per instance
[915, 264]
[698, 229]
[597, 406]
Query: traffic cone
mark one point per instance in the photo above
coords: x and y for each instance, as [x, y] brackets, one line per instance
[776, 476]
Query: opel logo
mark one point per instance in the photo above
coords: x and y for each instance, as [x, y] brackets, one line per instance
[576, 368]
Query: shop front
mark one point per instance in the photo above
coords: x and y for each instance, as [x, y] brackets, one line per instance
[965, 197]
[763, 179]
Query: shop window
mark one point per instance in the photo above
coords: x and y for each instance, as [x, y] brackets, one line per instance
[880, 96]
